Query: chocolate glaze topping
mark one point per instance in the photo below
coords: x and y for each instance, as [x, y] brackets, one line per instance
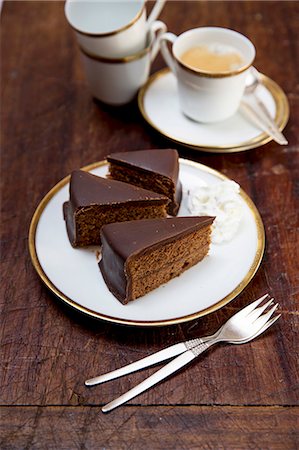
[122, 241]
[161, 161]
[87, 189]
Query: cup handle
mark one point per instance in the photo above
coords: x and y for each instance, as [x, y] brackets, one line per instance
[155, 12]
[157, 29]
[164, 39]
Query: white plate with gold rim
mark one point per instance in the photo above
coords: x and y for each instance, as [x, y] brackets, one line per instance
[73, 274]
[159, 105]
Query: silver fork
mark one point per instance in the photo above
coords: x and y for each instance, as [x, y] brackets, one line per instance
[242, 327]
[171, 351]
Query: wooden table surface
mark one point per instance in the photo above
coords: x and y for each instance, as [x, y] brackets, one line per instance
[231, 398]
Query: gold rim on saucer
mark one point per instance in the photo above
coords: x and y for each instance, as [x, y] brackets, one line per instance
[281, 118]
[238, 289]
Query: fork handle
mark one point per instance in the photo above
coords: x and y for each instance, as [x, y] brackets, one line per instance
[160, 375]
[155, 358]
[166, 353]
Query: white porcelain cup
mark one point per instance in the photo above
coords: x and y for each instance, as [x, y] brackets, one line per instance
[207, 96]
[111, 28]
[117, 81]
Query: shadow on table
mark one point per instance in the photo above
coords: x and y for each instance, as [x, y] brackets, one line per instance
[162, 336]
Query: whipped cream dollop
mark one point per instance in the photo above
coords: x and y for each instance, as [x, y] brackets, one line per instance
[221, 200]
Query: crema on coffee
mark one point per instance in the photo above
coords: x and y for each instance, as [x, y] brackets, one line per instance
[213, 58]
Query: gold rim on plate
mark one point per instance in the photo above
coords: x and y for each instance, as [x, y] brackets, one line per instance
[281, 118]
[238, 289]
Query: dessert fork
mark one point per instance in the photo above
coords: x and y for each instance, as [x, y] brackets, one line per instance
[242, 327]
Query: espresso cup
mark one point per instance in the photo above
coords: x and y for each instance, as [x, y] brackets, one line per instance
[117, 81]
[111, 28]
[208, 96]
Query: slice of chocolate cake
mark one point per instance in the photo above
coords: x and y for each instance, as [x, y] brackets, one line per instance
[96, 201]
[139, 256]
[156, 170]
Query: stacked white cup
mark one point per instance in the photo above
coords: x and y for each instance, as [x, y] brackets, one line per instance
[118, 44]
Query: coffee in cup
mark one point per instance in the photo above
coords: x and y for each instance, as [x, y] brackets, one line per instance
[213, 58]
[211, 65]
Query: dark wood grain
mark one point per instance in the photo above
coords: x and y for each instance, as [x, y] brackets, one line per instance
[187, 427]
[49, 126]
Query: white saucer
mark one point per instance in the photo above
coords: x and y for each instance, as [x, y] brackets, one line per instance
[159, 105]
[74, 276]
